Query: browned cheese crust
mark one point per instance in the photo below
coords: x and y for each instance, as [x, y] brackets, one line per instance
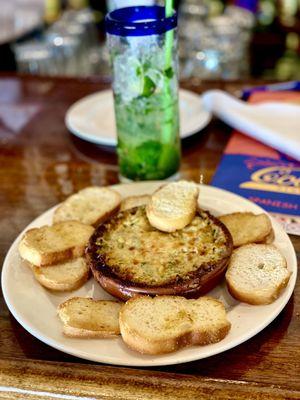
[129, 257]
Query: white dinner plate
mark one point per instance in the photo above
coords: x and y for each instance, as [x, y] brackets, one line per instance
[92, 118]
[35, 307]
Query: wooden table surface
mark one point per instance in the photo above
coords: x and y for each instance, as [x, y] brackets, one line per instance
[41, 164]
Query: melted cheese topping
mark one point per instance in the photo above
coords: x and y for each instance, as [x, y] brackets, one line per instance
[136, 251]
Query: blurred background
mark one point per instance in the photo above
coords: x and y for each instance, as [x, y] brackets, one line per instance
[217, 39]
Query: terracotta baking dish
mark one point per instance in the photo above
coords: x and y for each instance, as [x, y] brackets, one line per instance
[190, 285]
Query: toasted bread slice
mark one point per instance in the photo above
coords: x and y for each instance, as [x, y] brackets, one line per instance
[246, 227]
[63, 277]
[257, 273]
[166, 323]
[173, 206]
[134, 201]
[129, 257]
[90, 206]
[88, 318]
[54, 244]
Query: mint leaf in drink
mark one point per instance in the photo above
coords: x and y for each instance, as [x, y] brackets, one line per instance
[146, 65]
[157, 77]
[139, 162]
[149, 87]
[139, 71]
[169, 73]
[149, 160]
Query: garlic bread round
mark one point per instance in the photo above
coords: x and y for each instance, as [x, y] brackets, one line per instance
[257, 273]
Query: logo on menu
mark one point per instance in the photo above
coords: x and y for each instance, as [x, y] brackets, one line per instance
[280, 179]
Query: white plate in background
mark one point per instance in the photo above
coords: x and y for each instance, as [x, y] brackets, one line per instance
[92, 118]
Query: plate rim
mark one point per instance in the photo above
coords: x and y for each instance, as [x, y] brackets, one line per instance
[111, 142]
[153, 361]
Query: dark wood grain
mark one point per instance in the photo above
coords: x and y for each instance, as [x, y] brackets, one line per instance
[29, 379]
[41, 164]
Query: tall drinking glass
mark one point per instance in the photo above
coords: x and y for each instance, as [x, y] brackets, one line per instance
[143, 48]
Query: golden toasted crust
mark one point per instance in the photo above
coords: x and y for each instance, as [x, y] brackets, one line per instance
[88, 318]
[62, 277]
[167, 323]
[246, 227]
[91, 206]
[50, 245]
[173, 206]
[85, 334]
[129, 257]
[257, 299]
[134, 201]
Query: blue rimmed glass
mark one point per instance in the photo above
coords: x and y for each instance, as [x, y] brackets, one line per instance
[143, 48]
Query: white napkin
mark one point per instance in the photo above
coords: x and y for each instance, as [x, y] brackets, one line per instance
[273, 123]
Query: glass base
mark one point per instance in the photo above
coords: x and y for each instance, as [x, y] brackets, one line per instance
[171, 178]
